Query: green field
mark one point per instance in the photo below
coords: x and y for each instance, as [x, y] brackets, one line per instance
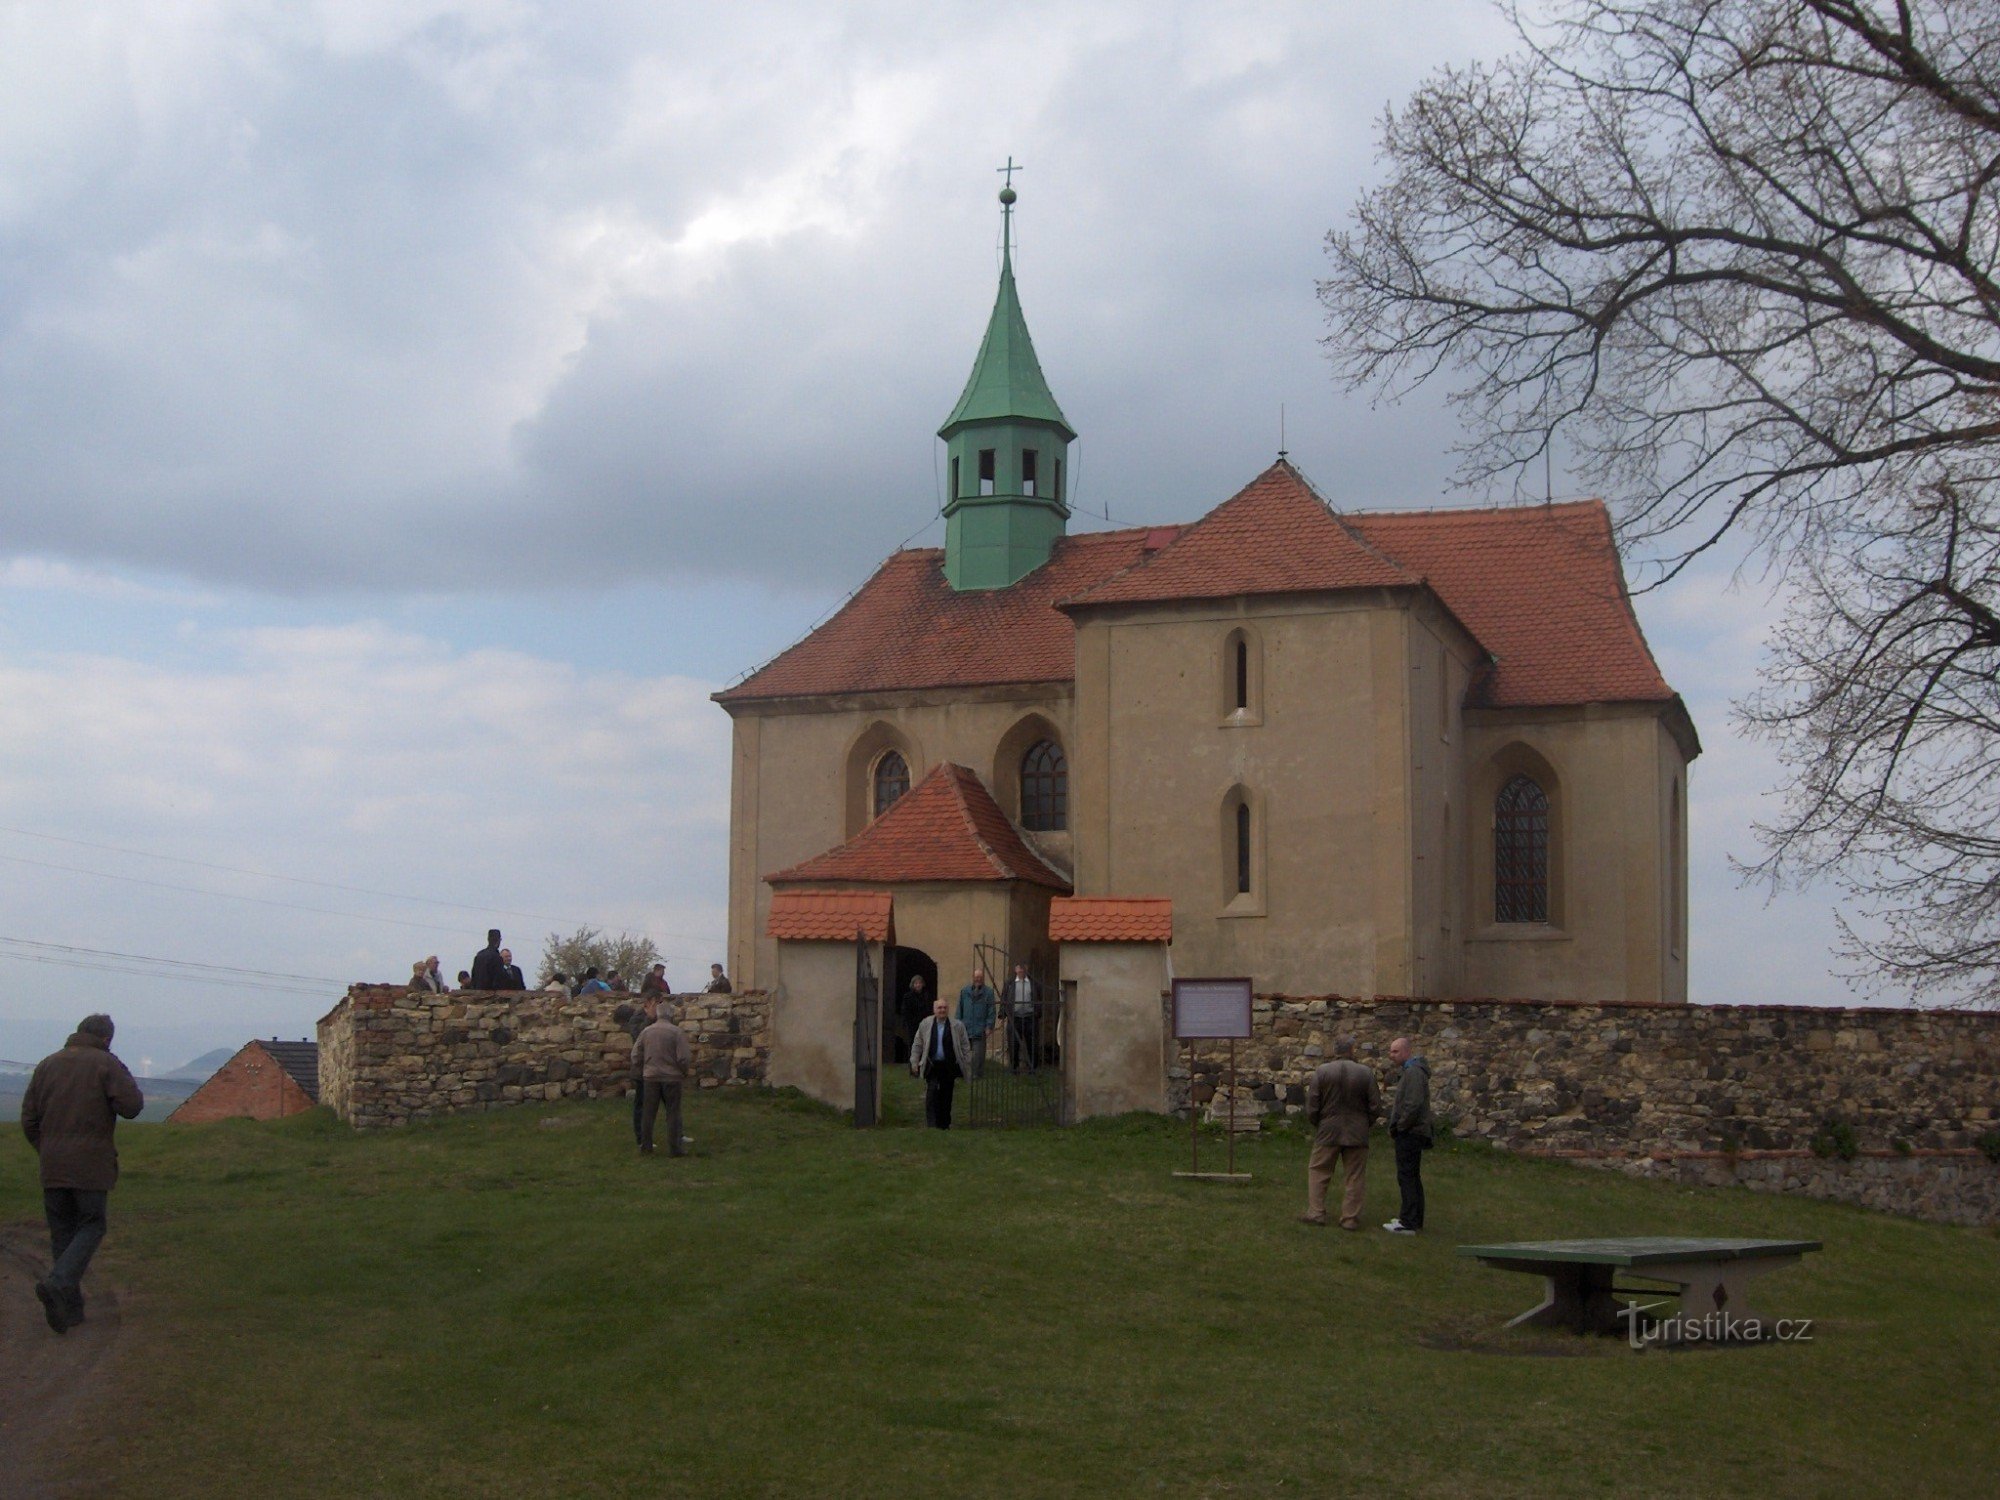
[516, 1304]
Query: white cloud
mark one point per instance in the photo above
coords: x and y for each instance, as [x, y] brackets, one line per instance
[362, 756]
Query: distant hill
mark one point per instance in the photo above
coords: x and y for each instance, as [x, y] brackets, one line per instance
[162, 1094]
[203, 1067]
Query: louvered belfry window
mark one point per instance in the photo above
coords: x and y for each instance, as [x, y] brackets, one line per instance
[1521, 852]
[1044, 788]
[892, 779]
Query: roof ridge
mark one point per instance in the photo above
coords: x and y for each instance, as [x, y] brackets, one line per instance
[1341, 521]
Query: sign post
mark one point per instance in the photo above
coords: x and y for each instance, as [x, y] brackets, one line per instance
[1212, 1009]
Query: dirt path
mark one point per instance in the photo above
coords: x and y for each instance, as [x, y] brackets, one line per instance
[49, 1385]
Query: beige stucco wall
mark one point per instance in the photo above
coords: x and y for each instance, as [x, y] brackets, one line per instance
[1613, 768]
[1114, 1037]
[1322, 755]
[812, 1019]
[798, 770]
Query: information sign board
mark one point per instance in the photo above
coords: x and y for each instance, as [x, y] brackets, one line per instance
[1205, 1008]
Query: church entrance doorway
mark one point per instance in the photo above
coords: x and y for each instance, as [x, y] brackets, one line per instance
[1021, 1081]
[908, 996]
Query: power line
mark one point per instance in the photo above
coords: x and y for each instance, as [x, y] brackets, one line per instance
[357, 890]
[139, 972]
[329, 885]
[177, 963]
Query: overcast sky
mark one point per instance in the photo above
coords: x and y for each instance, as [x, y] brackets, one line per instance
[410, 413]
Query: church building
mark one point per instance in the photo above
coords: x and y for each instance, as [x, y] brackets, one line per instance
[1369, 752]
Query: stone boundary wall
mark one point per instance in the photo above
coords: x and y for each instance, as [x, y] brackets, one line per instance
[389, 1056]
[1696, 1093]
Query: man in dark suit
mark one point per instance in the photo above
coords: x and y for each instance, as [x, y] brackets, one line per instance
[940, 1054]
[514, 979]
[489, 969]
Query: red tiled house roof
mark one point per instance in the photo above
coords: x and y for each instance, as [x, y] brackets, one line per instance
[1111, 919]
[907, 628]
[946, 827]
[1541, 588]
[830, 916]
[1538, 586]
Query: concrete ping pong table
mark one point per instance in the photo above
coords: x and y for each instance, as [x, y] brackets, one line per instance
[1712, 1276]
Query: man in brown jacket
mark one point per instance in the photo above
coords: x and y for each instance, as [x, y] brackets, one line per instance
[1342, 1101]
[68, 1115]
[663, 1058]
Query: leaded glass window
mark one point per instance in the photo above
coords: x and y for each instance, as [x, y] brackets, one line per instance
[1521, 852]
[892, 779]
[1044, 788]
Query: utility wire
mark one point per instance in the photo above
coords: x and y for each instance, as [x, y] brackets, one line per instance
[177, 963]
[329, 885]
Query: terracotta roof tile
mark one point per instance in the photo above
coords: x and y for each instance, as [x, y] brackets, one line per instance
[1539, 586]
[1542, 589]
[1111, 919]
[830, 916]
[946, 827]
[1273, 536]
[908, 628]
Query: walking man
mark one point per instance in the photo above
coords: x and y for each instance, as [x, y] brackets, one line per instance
[978, 1008]
[1342, 1102]
[663, 1058]
[1021, 1039]
[940, 1054]
[69, 1114]
[1410, 1132]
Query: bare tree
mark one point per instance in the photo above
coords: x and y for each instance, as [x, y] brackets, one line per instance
[625, 955]
[1738, 257]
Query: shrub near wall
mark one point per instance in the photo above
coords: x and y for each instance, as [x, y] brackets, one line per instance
[388, 1056]
[1709, 1093]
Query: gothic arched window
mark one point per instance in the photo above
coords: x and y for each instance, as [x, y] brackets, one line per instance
[892, 779]
[1521, 852]
[1044, 788]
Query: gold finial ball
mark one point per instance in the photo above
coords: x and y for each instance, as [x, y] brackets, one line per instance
[1007, 196]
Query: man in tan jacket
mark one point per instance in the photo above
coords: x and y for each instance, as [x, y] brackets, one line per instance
[663, 1059]
[1342, 1102]
[69, 1115]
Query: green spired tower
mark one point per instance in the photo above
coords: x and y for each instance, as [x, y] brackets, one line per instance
[1008, 445]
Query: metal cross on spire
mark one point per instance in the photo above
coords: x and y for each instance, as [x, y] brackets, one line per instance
[1007, 196]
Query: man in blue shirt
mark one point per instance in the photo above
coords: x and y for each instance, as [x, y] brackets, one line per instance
[978, 1008]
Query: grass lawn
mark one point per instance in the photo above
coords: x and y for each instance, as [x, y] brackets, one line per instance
[516, 1304]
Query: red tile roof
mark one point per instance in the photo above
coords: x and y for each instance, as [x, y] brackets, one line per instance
[830, 916]
[1111, 919]
[1273, 536]
[946, 827]
[1541, 588]
[907, 628]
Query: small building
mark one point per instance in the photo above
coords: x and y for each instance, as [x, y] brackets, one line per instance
[266, 1080]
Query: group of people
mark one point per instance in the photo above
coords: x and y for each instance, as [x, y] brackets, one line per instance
[945, 1048]
[493, 969]
[1343, 1102]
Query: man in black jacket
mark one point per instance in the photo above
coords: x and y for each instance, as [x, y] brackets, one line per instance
[489, 969]
[1410, 1132]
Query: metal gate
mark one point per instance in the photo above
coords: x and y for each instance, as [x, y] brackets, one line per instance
[868, 992]
[1018, 1079]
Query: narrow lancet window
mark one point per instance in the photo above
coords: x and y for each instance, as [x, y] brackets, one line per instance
[1521, 852]
[986, 470]
[1044, 788]
[1028, 458]
[892, 779]
[1243, 848]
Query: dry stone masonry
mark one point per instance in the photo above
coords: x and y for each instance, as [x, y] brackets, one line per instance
[1700, 1093]
[388, 1056]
